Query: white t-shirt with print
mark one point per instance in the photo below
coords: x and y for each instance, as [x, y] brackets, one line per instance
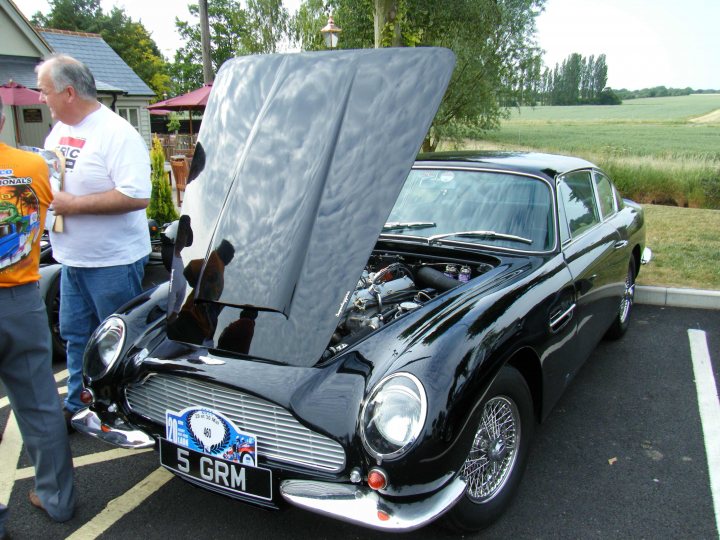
[102, 152]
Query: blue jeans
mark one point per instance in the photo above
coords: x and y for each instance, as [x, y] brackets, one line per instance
[87, 297]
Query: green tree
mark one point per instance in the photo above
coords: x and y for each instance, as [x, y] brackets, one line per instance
[129, 39]
[599, 76]
[161, 207]
[259, 27]
[608, 97]
[173, 124]
[492, 39]
[139, 50]
[304, 27]
[74, 15]
[570, 80]
[578, 80]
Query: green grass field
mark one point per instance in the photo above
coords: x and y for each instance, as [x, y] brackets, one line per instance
[658, 150]
[668, 140]
[685, 245]
[678, 109]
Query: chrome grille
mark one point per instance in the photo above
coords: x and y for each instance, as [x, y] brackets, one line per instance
[279, 435]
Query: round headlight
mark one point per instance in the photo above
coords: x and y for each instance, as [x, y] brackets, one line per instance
[104, 347]
[393, 415]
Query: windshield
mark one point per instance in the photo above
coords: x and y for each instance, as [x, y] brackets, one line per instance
[483, 207]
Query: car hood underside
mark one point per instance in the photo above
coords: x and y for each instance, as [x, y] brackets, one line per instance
[298, 163]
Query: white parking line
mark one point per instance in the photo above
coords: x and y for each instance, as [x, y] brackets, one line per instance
[88, 459]
[10, 448]
[125, 503]
[4, 402]
[709, 406]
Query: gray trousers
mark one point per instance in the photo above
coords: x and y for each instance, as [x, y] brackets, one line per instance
[26, 373]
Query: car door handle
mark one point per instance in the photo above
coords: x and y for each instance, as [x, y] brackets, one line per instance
[621, 244]
[559, 320]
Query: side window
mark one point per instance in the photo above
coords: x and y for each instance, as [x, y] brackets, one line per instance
[576, 195]
[605, 195]
[618, 199]
[131, 115]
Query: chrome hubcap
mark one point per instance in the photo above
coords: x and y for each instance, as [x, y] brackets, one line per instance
[497, 449]
[628, 297]
[494, 450]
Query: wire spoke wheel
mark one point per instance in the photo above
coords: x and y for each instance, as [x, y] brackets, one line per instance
[494, 450]
[622, 320]
[628, 297]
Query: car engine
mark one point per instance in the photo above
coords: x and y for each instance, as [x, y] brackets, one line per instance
[386, 292]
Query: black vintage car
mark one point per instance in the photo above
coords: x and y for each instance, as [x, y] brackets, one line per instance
[348, 329]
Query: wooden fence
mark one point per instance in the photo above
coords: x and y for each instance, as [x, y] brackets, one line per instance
[177, 144]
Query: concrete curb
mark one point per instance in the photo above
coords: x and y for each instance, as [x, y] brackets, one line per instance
[675, 297]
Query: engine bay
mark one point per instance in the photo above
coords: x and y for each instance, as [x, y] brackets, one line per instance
[393, 285]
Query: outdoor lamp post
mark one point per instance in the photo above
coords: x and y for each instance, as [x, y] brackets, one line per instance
[330, 33]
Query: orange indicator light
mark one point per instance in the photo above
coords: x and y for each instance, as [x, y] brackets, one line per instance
[377, 479]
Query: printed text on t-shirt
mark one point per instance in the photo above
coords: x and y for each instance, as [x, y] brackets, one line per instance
[70, 147]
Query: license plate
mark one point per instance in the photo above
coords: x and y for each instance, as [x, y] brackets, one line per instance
[222, 475]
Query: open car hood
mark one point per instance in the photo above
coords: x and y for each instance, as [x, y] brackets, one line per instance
[299, 161]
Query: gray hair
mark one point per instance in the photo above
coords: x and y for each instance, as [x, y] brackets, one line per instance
[66, 71]
[2, 112]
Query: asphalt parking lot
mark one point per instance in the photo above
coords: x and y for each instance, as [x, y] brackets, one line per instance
[623, 455]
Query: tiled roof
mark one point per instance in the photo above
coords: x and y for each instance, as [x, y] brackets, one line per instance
[20, 69]
[110, 71]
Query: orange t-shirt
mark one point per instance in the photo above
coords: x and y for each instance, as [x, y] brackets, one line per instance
[25, 195]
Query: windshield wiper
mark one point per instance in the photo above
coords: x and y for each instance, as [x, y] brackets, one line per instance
[403, 225]
[480, 234]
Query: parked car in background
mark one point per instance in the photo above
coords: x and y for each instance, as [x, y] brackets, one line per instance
[383, 332]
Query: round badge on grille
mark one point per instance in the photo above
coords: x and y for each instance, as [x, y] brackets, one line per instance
[208, 430]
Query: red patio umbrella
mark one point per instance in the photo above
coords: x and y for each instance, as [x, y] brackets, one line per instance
[192, 101]
[17, 95]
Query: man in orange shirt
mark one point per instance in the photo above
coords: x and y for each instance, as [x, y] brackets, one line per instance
[25, 353]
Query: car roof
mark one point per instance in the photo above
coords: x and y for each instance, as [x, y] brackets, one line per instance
[549, 165]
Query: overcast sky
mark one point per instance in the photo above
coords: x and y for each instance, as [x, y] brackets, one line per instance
[675, 43]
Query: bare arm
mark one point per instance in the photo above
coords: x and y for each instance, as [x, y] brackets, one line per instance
[108, 202]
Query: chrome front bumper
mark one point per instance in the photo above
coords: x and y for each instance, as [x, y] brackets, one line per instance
[362, 506]
[111, 430]
[352, 503]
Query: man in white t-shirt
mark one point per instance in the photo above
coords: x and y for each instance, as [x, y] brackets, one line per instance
[105, 241]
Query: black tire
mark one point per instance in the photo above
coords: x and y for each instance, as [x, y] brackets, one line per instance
[496, 462]
[622, 319]
[52, 305]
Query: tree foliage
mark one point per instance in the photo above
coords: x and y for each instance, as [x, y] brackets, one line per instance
[578, 80]
[138, 48]
[73, 15]
[161, 207]
[660, 91]
[236, 28]
[128, 38]
[497, 57]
